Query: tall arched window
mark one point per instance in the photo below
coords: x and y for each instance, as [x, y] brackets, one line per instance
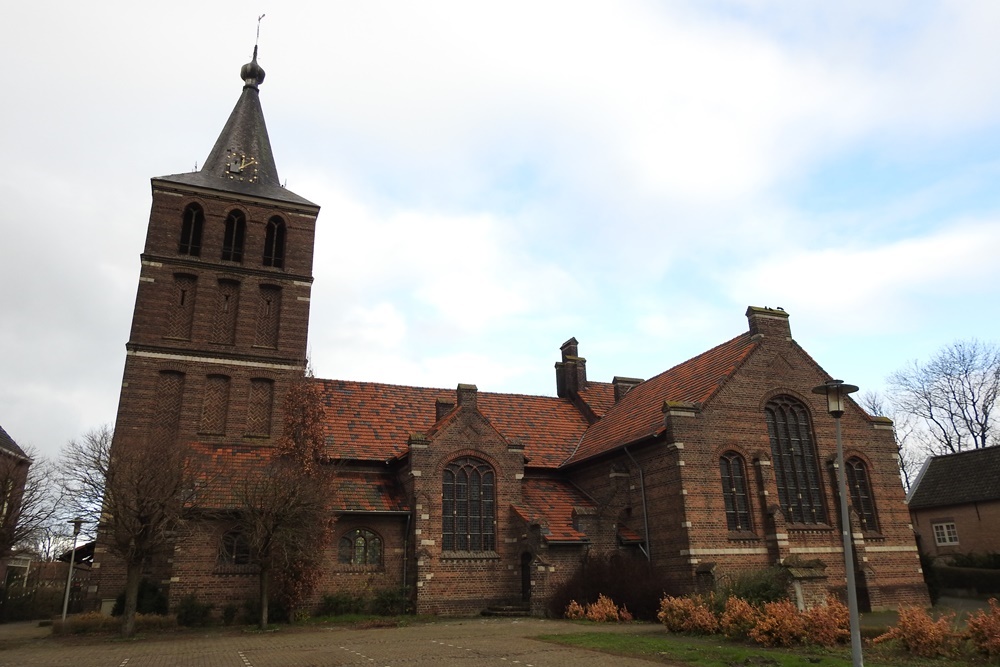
[468, 506]
[360, 547]
[860, 491]
[796, 468]
[274, 243]
[191, 225]
[232, 241]
[734, 491]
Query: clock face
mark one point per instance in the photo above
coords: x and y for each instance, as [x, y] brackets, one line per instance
[242, 167]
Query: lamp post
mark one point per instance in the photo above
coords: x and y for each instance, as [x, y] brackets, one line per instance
[836, 391]
[77, 522]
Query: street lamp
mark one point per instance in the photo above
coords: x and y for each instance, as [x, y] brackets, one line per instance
[77, 522]
[836, 391]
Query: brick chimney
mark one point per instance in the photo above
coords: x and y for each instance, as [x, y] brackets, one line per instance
[571, 372]
[442, 407]
[769, 323]
[623, 386]
[467, 394]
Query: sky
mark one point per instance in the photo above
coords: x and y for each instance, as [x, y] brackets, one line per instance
[496, 178]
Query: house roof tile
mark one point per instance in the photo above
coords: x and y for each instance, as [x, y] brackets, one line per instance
[956, 479]
[599, 397]
[639, 415]
[367, 492]
[553, 504]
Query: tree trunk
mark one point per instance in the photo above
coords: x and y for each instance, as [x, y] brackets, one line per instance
[133, 573]
[264, 582]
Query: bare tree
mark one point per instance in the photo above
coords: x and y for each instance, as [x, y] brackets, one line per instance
[27, 500]
[952, 396]
[907, 452]
[139, 489]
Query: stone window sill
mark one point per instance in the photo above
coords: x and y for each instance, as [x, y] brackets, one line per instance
[470, 555]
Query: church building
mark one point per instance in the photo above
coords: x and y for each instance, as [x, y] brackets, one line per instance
[464, 498]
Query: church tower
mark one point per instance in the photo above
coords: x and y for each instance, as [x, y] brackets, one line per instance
[222, 308]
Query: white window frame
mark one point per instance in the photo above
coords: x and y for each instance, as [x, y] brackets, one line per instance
[945, 533]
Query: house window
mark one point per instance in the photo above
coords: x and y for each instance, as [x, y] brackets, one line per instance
[274, 243]
[191, 224]
[234, 549]
[734, 491]
[181, 310]
[232, 241]
[796, 468]
[360, 547]
[860, 490]
[945, 534]
[468, 499]
[259, 407]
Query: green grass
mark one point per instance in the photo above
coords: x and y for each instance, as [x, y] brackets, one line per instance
[719, 652]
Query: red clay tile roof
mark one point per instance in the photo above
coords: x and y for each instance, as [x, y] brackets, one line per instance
[370, 421]
[221, 469]
[629, 536]
[599, 397]
[639, 414]
[367, 492]
[551, 502]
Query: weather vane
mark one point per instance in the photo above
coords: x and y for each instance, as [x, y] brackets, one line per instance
[258, 30]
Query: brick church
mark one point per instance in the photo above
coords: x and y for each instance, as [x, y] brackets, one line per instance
[466, 498]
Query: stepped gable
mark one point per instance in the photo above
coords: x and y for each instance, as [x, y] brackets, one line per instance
[639, 414]
[955, 479]
[371, 421]
[552, 503]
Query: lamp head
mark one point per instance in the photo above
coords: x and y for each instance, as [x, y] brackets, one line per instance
[836, 393]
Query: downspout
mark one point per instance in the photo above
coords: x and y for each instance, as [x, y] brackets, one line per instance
[645, 509]
[406, 547]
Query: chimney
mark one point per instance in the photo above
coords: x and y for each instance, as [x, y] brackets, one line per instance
[624, 386]
[442, 407]
[571, 372]
[467, 395]
[769, 323]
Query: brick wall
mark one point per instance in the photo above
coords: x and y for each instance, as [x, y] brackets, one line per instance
[976, 524]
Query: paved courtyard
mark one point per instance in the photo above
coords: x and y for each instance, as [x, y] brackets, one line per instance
[459, 642]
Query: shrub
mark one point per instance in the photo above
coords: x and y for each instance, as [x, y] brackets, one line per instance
[984, 629]
[391, 602]
[779, 624]
[151, 600]
[575, 611]
[337, 604]
[691, 614]
[758, 587]
[917, 633]
[229, 613]
[191, 613]
[625, 579]
[828, 624]
[987, 561]
[738, 618]
[602, 611]
[969, 578]
[96, 622]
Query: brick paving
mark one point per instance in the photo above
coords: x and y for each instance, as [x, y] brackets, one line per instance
[455, 643]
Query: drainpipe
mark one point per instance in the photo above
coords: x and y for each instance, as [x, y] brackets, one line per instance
[406, 547]
[645, 509]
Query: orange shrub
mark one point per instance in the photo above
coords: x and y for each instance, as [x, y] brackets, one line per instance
[984, 629]
[603, 611]
[688, 614]
[829, 624]
[738, 618]
[919, 634]
[574, 611]
[779, 624]
[624, 615]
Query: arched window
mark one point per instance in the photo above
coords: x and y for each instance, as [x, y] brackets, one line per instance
[191, 225]
[734, 491]
[360, 547]
[860, 491]
[232, 241]
[234, 549]
[468, 500]
[796, 468]
[274, 243]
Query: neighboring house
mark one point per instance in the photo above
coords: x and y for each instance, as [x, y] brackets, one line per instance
[955, 503]
[721, 464]
[14, 465]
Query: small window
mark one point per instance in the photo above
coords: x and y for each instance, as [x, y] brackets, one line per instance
[860, 490]
[945, 534]
[191, 226]
[234, 550]
[360, 547]
[274, 243]
[734, 491]
[232, 242]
